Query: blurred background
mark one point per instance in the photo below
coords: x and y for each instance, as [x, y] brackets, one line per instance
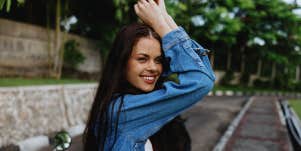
[253, 43]
[61, 45]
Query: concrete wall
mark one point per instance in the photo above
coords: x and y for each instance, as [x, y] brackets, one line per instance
[24, 50]
[37, 110]
[220, 74]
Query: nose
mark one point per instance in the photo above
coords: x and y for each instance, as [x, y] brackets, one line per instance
[153, 66]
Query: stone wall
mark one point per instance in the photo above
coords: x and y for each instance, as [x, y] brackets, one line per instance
[36, 110]
[26, 50]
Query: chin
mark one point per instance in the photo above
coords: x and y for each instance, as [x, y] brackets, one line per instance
[147, 89]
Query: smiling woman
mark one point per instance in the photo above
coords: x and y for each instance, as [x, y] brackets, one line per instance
[133, 101]
[145, 64]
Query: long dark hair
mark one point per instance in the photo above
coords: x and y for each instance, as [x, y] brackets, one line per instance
[113, 81]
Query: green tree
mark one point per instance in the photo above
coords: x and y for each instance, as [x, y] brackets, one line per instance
[7, 4]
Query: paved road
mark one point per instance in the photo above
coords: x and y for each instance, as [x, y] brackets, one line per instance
[260, 129]
[209, 119]
[206, 122]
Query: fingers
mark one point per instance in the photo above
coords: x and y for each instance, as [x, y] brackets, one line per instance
[136, 9]
[140, 4]
[161, 5]
[139, 10]
[143, 3]
[152, 2]
[148, 11]
[160, 2]
[146, 3]
[145, 6]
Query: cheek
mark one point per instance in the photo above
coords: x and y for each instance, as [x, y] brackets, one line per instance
[160, 68]
[132, 70]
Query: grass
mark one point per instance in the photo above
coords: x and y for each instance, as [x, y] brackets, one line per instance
[296, 105]
[10, 82]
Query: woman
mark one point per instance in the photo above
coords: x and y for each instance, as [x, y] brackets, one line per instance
[132, 101]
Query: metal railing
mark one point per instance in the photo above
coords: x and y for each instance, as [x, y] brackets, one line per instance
[293, 124]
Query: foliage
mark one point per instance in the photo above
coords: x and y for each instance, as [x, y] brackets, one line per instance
[173, 77]
[9, 3]
[297, 86]
[107, 40]
[258, 83]
[282, 81]
[227, 78]
[72, 55]
[244, 78]
[264, 29]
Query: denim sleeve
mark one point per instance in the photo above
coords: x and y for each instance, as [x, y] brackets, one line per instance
[146, 113]
[196, 53]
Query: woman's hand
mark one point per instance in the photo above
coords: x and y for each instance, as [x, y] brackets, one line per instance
[162, 7]
[150, 13]
[166, 16]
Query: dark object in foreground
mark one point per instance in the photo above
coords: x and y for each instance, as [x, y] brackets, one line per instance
[61, 141]
[293, 124]
[173, 136]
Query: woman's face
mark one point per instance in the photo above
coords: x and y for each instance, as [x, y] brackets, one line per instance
[144, 66]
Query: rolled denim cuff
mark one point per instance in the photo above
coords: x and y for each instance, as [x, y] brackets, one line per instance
[174, 37]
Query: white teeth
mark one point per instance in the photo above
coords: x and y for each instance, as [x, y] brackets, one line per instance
[149, 78]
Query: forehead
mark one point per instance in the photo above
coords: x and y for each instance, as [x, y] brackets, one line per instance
[147, 45]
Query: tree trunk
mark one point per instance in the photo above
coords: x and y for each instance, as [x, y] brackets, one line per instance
[229, 59]
[259, 67]
[62, 55]
[61, 50]
[58, 38]
[212, 59]
[243, 60]
[298, 73]
[273, 75]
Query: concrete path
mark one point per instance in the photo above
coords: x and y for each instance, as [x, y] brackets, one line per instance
[260, 128]
[207, 121]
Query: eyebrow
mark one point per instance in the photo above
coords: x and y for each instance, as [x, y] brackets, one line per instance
[146, 55]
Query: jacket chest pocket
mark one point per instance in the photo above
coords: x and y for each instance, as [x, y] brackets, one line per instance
[139, 146]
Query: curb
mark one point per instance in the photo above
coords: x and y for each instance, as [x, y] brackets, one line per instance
[253, 93]
[76, 130]
[33, 143]
[281, 115]
[224, 139]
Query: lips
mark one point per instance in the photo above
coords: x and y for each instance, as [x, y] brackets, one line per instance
[149, 79]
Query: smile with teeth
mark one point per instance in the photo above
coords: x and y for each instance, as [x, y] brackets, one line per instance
[149, 79]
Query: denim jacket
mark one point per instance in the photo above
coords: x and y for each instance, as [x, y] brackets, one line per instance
[143, 115]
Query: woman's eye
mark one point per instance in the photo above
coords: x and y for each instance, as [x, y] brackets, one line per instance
[141, 59]
[159, 61]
